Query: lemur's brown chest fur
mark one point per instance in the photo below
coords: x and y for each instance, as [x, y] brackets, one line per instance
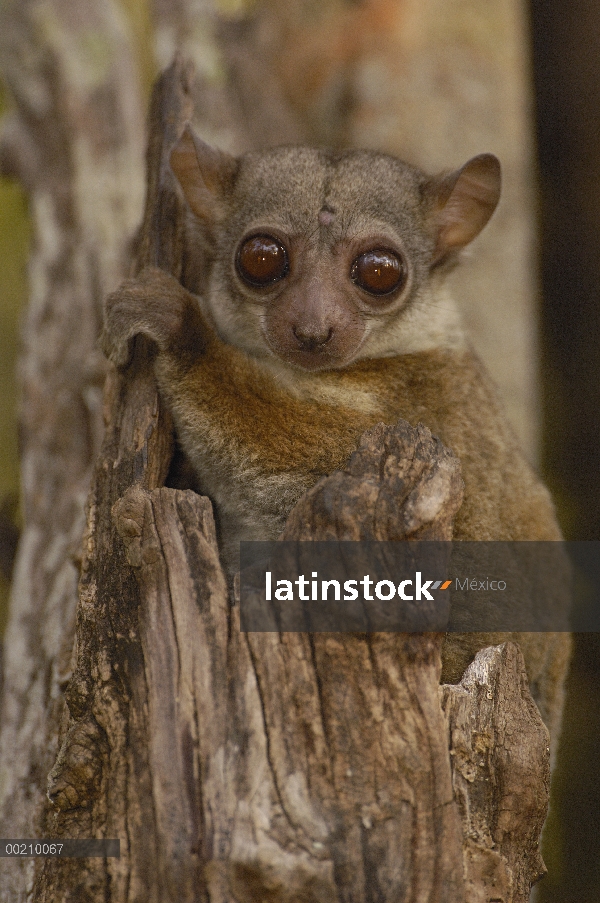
[266, 444]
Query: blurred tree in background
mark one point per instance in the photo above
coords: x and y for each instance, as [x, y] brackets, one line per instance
[14, 241]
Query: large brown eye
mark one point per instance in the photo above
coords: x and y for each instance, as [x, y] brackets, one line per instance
[378, 272]
[261, 260]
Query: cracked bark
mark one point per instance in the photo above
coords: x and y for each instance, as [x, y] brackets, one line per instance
[75, 139]
[274, 766]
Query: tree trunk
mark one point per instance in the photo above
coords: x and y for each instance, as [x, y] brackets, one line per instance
[76, 143]
[216, 787]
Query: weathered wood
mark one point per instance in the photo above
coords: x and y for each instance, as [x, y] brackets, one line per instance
[297, 766]
[75, 141]
[417, 499]
[91, 788]
[500, 751]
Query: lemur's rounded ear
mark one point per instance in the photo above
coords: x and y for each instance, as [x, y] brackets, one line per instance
[203, 172]
[462, 202]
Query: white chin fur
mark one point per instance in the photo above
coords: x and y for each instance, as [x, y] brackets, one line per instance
[430, 322]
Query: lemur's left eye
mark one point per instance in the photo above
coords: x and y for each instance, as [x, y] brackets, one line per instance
[378, 272]
[261, 260]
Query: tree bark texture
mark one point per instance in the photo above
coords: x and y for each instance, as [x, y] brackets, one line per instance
[76, 142]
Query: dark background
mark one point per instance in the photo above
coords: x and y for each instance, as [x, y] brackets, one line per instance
[566, 57]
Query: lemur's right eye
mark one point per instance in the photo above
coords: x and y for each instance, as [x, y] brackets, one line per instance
[262, 260]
